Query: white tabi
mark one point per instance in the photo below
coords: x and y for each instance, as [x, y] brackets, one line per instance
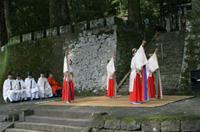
[8, 90]
[32, 90]
[45, 89]
[21, 88]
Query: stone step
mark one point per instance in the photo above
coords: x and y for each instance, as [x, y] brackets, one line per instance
[49, 127]
[60, 121]
[21, 130]
[63, 113]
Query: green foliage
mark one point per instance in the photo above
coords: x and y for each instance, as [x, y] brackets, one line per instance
[28, 15]
[150, 9]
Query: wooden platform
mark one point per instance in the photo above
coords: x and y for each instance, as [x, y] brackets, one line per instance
[120, 101]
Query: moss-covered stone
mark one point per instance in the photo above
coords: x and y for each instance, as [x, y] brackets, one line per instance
[37, 56]
[192, 49]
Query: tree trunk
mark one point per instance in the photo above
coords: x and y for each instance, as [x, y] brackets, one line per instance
[7, 18]
[134, 17]
[3, 29]
[57, 12]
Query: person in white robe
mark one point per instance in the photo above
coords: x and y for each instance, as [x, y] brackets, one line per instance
[68, 72]
[32, 90]
[153, 72]
[8, 89]
[111, 91]
[45, 90]
[21, 88]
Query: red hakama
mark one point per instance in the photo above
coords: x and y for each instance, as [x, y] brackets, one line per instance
[71, 85]
[111, 88]
[151, 86]
[136, 94]
[66, 96]
[54, 85]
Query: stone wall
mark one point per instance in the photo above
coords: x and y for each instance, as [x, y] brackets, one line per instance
[191, 59]
[113, 124]
[90, 53]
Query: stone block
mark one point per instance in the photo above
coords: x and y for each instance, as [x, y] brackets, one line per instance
[38, 35]
[151, 126]
[130, 125]
[190, 125]
[112, 124]
[14, 40]
[64, 29]
[167, 126]
[26, 37]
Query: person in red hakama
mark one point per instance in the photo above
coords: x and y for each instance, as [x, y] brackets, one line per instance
[68, 85]
[54, 85]
[151, 86]
[71, 81]
[152, 66]
[66, 91]
[111, 78]
[135, 83]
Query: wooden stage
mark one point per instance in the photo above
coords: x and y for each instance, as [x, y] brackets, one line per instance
[119, 101]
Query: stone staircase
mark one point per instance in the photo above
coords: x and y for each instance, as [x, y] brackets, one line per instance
[170, 61]
[55, 119]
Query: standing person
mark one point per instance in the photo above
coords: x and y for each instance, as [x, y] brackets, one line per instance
[136, 88]
[8, 89]
[45, 90]
[152, 66]
[111, 78]
[54, 85]
[134, 84]
[66, 91]
[71, 79]
[20, 87]
[154, 80]
[32, 90]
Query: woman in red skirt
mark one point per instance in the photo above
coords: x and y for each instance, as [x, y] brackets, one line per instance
[135, 83]
[151, 86]
[66, 91]
[111, 78]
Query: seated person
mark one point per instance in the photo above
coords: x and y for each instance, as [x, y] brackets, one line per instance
[9, 94]
[45, 90]
[20, 86]
[32, 90]
[56, 89]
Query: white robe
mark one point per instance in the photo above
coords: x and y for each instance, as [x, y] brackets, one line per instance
[8, 90]
[21, 88]
[137, 63]
[110, 70]
[132, 74]
[66, 66]
[45, 89]
[31, 86]
[152, 64]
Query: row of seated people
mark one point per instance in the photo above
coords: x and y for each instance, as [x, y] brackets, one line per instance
[15, 90]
